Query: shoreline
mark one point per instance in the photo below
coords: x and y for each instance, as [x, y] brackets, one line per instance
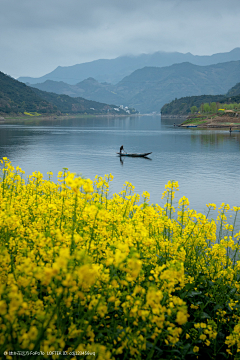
[224, 121]
[5, 119]
[174, 116]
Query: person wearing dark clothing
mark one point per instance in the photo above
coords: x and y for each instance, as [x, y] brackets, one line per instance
[121, 149]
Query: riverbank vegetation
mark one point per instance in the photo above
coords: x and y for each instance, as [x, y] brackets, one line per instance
[211, 115]
[213, 108]
[203, 104]
[114, 278]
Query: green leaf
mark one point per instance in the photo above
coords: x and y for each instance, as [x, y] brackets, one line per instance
[194, 293]
[205, 316]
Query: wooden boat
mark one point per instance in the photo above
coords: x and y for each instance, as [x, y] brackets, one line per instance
[134, 155]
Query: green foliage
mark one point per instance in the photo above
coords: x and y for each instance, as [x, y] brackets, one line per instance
[205, 104]
[206, 108]
[80, 271]
[175, 107]
[235, 90]
[213, 107]
[194, 109]
[16, 97]
[199, 120]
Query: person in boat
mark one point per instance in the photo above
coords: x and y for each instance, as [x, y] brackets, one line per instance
[121, 149]
[230, 129]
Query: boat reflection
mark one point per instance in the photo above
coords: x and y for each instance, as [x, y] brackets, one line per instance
[122, 158]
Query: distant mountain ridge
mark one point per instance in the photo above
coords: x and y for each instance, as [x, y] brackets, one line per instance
[114, 70]
[88, 88]
[149, 88]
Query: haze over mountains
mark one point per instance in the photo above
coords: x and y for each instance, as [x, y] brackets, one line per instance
[114, 70]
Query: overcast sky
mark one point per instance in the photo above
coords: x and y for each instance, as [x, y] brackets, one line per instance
[38, 35]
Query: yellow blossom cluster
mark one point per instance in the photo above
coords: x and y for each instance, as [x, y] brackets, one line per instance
[81, 272]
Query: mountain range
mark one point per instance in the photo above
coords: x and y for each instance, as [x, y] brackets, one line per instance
[114, 70]
[149, 88]
[17, 98]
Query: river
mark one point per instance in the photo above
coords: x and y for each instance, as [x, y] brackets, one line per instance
[206, 163]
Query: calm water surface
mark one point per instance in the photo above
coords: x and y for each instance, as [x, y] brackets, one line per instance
[206, 163]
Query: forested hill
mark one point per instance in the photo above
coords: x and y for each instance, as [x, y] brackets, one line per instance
[18, 98]
[183, 105]
[234, 91]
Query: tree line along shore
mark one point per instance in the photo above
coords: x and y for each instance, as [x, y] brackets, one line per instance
[206, 110]
[211, 115]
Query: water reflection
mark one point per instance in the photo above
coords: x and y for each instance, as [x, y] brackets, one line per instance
[214, 138]
[205, 162]
[123, 158]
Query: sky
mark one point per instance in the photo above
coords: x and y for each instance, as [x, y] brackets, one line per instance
[38, 35]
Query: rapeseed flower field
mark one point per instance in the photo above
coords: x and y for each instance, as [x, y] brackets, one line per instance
[87, 276]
